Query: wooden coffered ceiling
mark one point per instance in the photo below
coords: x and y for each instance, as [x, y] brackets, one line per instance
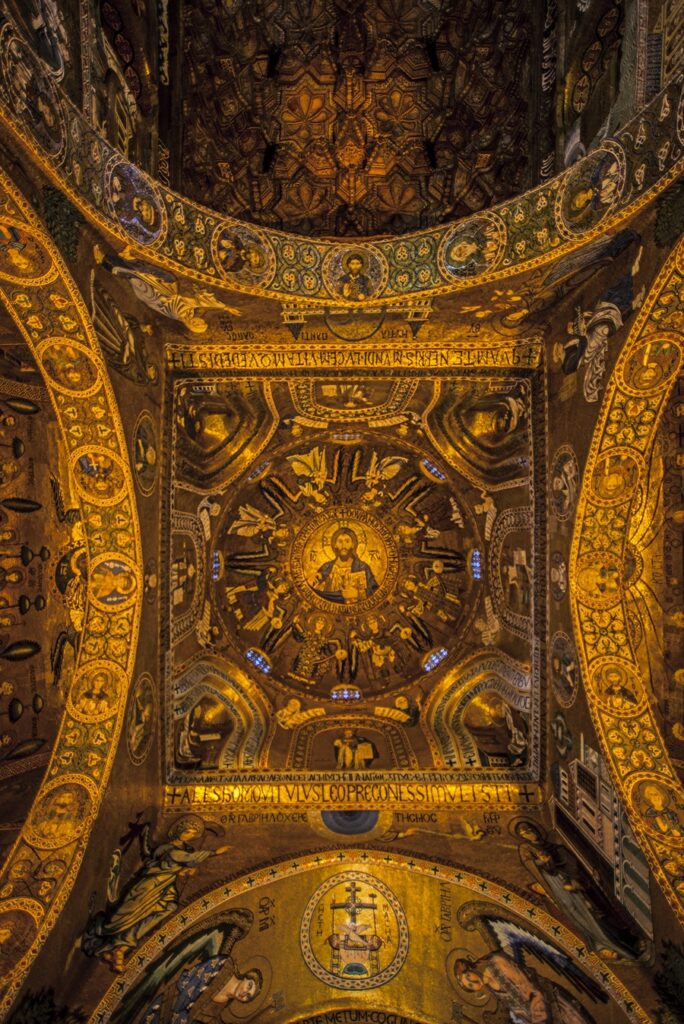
[358, 117]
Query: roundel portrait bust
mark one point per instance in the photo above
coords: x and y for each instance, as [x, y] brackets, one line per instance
[346, 578]
[345, 562]
[345, 558]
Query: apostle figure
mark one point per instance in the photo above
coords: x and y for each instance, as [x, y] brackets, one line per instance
[355, 282]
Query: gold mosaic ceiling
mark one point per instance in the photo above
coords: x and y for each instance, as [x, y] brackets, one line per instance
[358, 117]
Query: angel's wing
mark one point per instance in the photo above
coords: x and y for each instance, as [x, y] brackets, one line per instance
[214, 939]
[516, 941]
[251, 521]
[390, 466]
[70, 515]
[456, 515]
[311, 464]
[114, 877]
[590, 255]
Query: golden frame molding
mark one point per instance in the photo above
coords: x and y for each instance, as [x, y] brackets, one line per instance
[42, 865]
[629, 732]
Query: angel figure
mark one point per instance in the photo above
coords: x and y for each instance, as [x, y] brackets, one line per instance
[208, 509]
[373, 653]
[251, 522]
[488, 625]
[52, 39]
[197, 977]
[291, 715]
[528, 996]
[317, 652]
[590, 331]
[378, 473]
[159, 290]
[461, 829]
[271, 614]
[311, 471]
[406, 710]
[122, 339]
[150, 895]
[486, 508]
[406, 534]
[456, 514]
[561, 876]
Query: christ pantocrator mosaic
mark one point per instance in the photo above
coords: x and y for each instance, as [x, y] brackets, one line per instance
[347, 563]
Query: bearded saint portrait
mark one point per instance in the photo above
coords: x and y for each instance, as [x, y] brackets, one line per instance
[346, 577]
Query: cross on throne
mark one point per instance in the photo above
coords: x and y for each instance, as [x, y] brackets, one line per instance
[354, 944]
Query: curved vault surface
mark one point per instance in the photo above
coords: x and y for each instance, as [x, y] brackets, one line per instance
[41, 866]
[172, 232]
[592, 197]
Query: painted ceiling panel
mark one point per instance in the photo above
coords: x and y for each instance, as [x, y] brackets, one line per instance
[359, 117]
[330, 544]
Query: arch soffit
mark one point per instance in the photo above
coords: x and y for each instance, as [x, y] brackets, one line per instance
[593, 196]
[629, 732]
[39, 872]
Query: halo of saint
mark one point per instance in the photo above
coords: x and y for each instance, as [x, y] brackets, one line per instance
[345, 560]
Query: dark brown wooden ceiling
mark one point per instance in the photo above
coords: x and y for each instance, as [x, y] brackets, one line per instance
[358, 117]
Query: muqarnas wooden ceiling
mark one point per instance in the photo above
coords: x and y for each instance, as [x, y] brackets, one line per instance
[360, 116]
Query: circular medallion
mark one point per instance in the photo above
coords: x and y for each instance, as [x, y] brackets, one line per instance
[345, 560]
[660, 806]
[96, 691]
[599, 579]
[650, 368]
[355, 273]
[243, 253]
[590, 189]
[22, 259]
[565, 483]
[134, 202]
[145, 450]
[70, 367]
[99, 475]
[354, 933]
[140, 722]
[474, 247]
[350, 823]
[345, 563]
[559, 576]
[616, 476]
[618, 686]
[18, 930]
[564, 669]
[62, 813]
[113, 582]
[33, 96]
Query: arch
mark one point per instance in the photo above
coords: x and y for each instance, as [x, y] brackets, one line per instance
[558, 217]
[239, 741]
[608, 519]
[446, 714]
[45, 304]
[408, 887]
